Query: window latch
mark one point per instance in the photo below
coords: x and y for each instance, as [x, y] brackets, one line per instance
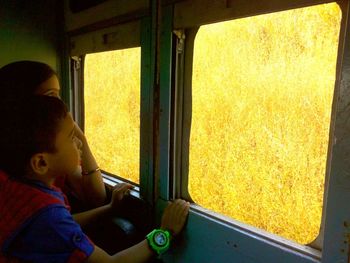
[180, 43]
[76, 63]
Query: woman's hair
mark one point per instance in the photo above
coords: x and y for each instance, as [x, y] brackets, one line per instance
[29, 123]
[29, 126]
[22, 78]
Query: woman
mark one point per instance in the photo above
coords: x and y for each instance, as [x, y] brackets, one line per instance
[25, 78]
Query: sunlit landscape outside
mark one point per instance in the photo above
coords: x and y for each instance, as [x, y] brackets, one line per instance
[262, 95]
[262, 92]
[112, 110]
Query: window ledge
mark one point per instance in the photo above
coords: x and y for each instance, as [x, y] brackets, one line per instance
[113, 181]
[256, 232]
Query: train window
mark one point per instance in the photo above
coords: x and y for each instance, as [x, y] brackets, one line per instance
[262, 91]
[112, 110]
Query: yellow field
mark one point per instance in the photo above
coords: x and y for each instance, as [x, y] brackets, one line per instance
[262, 95]
[112, 110]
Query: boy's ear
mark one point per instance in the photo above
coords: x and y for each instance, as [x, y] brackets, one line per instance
[39, 163]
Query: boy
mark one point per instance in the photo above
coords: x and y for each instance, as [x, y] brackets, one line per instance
[37, 144]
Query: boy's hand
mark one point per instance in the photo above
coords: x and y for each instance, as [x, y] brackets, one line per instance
[119, 191]
[175, 215]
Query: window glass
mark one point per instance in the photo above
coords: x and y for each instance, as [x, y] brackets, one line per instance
[262, 90]
[112, 110]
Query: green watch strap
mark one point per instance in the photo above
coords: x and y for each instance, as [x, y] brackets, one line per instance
[159, 240]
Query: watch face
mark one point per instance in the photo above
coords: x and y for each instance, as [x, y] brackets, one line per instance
[160, 239]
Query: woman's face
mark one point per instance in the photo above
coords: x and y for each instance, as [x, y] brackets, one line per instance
[50, 87]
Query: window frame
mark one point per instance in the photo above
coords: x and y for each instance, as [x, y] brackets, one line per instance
[85, 43]
[184, 21]
[81, 110]
[183, 112]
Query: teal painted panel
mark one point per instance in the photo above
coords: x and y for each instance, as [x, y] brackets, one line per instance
[209, 238]
[206, 240]
[337, 221]
[146, 126]
[165, 101]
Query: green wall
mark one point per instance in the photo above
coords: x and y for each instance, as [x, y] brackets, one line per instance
[28, 31]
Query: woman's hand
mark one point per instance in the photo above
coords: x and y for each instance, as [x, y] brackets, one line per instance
[175, 215]
[119, 191]
[91, 186]
[79, 133]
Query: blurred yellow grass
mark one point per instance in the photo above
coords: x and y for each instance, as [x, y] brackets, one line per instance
[262, 94]
[112, 110]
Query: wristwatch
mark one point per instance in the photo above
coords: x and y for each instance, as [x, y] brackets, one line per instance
[159, 240]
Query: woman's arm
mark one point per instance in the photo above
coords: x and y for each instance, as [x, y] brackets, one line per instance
[90, 187]
[93, 186]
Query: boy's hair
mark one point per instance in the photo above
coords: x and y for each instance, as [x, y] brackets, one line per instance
[28, 126]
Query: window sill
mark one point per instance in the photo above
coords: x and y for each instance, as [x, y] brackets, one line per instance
[257, 233]
[112, 182]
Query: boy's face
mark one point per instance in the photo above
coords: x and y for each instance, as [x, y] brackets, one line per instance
[66, 159]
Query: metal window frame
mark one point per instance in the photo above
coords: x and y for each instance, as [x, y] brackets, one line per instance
[183, 18]
[86, 44]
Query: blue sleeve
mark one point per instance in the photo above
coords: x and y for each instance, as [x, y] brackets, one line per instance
[53, 236]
